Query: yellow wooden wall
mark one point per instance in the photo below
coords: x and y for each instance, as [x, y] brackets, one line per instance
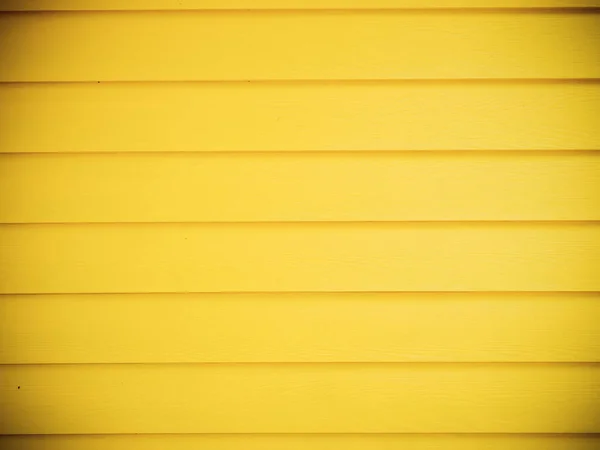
[302, 224]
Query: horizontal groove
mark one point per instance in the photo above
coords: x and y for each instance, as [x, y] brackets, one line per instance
[296, 153]
[381, 223]
[295, 293]
[348, 81]
[319, 363]
[12, 294]
[433, 433]
[309, 10]
[507, 153]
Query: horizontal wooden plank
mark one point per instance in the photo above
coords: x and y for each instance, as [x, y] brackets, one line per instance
[274, 45]
[302, 442]
[250, 187]
[317, 327]
[299, 116]
[122, 258]
[152, 5]
[299, 398]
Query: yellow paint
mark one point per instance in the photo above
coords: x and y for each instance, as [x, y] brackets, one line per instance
[309, 327]
[300, 257]
[275, 45]
[100, 5]
[302, 442]
[299, 398]
[233, 229]
[301, 186]
[299, 116]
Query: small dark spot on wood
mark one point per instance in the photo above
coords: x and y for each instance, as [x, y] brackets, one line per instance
[18, 387]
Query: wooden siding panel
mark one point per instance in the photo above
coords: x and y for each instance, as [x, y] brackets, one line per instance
[299, 398]
[169, 46]
[124, 258]
[256, 187]
[309, 327]
[299, 116]
[370, 45]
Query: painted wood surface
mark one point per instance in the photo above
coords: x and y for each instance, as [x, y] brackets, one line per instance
[316, 186]
[304, 224]
[294, 327]
[185, 45]
[299, 116]
[121, 258]
[299, 398]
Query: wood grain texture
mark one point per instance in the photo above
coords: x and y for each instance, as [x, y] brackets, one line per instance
[123, 258]
[157, 5]
[302, 442]
[316, 327]
[299, 116]
[251, 187]
[185, 45]
[295, 326]
[299, 398]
